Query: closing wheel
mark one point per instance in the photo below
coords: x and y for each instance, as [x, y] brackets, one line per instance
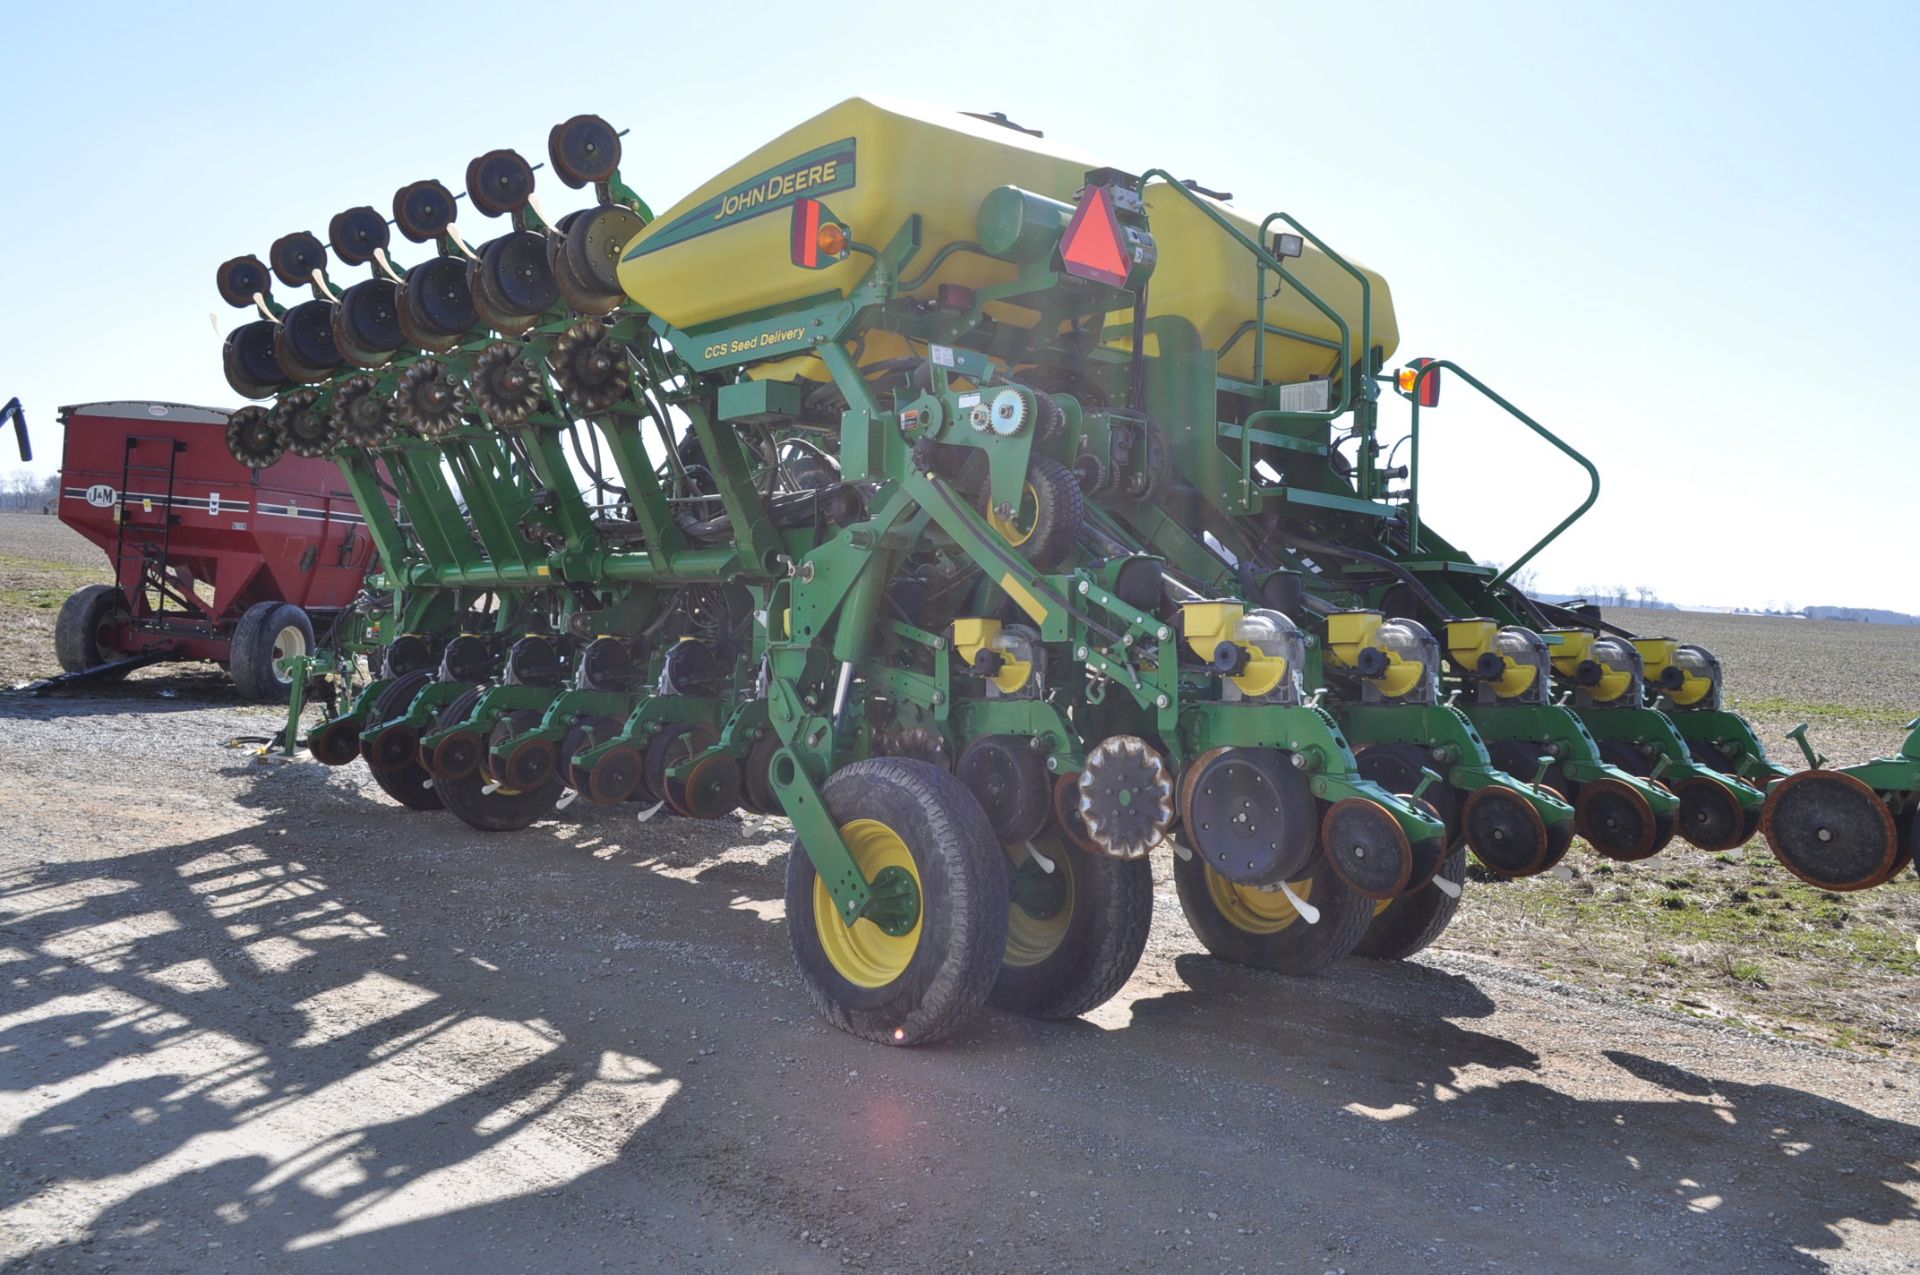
[1248, 925]
[308, 430]
[1413, 921]
[1366, 845]
[583, 150]
[295, 257]
[240, 278]
[918, 831]
[1249, 814]
[423, 210]
[335, 742]
[1831, 830]
[362, 416]
[1010, 782]
[711, 789]
[253, 438]
[1046, 526]
[1617, 821]
[393, 757]
[615, 777]
[499, 182]
[1507, 834]
[1075, 932]
[356, 234]
[247, 358]
[467, 796]
[1711, 816]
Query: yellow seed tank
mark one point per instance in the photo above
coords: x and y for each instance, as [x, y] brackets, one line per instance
[723, 251]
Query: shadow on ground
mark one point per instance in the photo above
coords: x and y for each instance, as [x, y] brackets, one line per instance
[343, 1036]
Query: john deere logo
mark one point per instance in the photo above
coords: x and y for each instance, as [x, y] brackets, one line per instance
[818, 172]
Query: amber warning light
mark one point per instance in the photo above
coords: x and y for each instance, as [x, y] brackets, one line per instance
[1429, 385]
[819, 239]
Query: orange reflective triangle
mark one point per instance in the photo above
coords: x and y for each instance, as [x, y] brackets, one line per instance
[1091, 248]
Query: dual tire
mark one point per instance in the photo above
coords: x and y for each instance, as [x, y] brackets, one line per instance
[993, 925]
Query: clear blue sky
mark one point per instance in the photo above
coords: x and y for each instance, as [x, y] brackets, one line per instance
[1681, 235]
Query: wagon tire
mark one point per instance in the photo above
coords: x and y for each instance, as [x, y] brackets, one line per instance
[77, 633]
[268, 636]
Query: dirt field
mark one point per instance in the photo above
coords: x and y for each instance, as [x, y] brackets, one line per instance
[256, 1016]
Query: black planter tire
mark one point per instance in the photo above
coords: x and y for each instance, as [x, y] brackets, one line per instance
[1407, 924]
[1252, 927]
[1074, 947]
[923, 986]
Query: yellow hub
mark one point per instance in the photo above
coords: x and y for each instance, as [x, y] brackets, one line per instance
[863, 953]
[1253, 910]
[1032, 939]
[1010, 529]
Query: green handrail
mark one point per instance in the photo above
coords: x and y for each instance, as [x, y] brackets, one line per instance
[1265, 261]
[1270, 262]
[1359, 276]
[1413, 470]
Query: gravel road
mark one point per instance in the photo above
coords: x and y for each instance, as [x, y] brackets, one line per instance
[254, 1016]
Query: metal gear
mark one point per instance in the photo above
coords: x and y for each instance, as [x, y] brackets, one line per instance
[592, 371]
[253, 438]
[505, 386]
[361, 415]
[429, 400]
[1126, 796]
[308, 430]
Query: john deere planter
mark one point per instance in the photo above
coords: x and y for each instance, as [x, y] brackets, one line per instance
[1002, 520]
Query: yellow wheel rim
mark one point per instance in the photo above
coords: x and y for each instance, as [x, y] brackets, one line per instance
[1032, 939]
[863, 953]
[1253, 910]
[1010, 529]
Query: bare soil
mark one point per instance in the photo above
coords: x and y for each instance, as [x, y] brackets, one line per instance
[255, 1016]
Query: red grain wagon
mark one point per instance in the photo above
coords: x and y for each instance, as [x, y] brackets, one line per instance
[212, 560]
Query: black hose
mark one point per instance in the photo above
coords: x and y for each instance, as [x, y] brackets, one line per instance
[1388, 565]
